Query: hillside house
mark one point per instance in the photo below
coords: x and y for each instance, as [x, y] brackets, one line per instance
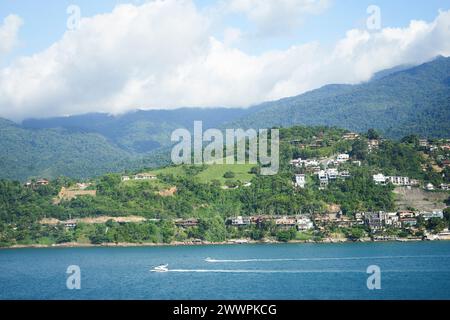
[380, 179]
[286, 222]
[144, 176]
[408, 222]
[70, 224]
[399, 181]
[429, 187]
[343, 157]
[304, 224]
[323, 179]
[406, 214]
[350, 136]
[300, 181]
[38, 183]
[433, 214]
[187, 223]
[332, 174]
[423, 143]
[374, 220]
[83, 186]
[373, 144]
[240, 221]
[42, 182]
[390, 219]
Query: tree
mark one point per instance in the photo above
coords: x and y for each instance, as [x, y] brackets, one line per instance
[286, 235]
[411, 139]
[372, 134]
[254, 170]
[229, 175]
[359, 149]
[355, 233]
[436, 225]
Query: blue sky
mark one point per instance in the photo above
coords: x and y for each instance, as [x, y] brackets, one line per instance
[165, 54]
[45, 20]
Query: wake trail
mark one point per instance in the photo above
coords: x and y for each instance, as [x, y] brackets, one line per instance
[322, 259]
[293, 271]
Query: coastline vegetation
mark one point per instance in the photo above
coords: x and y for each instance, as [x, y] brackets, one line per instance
[212, 193]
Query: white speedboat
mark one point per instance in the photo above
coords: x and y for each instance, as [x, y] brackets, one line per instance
[161, 268]
[209, 260]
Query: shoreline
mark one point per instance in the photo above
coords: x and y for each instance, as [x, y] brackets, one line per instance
[206, 243]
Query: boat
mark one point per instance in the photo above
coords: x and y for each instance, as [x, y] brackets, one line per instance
[161, 268]
[209, 260]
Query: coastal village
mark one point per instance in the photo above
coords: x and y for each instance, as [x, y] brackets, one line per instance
[331, 225]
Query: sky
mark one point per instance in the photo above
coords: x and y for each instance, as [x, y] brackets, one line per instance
[60, 58]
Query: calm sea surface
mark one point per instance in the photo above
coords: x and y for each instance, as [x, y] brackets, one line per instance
[291, 271]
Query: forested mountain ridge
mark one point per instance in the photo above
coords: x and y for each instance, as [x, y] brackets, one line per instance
[93, 144]
[397, 103]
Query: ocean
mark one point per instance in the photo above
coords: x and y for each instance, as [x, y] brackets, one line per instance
[413, 270]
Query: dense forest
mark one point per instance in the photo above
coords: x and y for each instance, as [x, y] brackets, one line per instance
[397, 103]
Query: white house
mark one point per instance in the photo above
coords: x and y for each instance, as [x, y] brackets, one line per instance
[300, 181]
[379, 179]
[399, 181]
[144, 176]
[304, 224]
[343, 157]
[434, 214]
[332, 174]
[296, 162]
[240, 221]
[429, 187]
[125, 178]
[323, 178]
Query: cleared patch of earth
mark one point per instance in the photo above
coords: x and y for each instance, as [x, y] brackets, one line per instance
[420, 199]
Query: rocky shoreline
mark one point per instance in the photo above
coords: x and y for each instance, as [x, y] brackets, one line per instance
[207, 243]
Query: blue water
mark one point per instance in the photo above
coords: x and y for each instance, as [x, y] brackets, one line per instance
[291, 271]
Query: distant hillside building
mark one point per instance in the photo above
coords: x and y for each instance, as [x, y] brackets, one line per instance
[399, 181]
[343, 157]
[300, 181]
[379, 179]
[350, 136]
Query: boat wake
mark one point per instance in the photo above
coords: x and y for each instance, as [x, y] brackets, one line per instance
[256, 271]
[262, 271]
[210, 260]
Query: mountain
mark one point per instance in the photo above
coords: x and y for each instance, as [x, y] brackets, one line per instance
[93, 144]
[397, 102]
[141, 131]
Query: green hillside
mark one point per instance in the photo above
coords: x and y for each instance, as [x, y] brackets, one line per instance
[192, 192]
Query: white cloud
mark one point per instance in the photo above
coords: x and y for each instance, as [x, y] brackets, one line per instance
[277, 16]
[161, 55]
[9, 33]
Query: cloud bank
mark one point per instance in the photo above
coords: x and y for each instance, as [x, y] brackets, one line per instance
[162, 55]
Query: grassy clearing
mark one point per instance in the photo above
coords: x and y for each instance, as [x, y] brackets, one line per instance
[213, 172]
[216, 172]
